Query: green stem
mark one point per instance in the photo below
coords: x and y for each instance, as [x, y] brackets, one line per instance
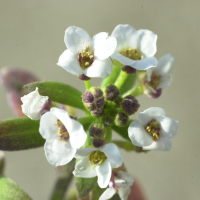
[136, 91]
[108, 135]
[2, 162]
[121, 79]
[87, 84]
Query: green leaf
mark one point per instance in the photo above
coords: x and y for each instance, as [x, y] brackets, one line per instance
[9, 190]
[58, 92]
[86, 121]
[128, 83]
[123, 131]
[84, 185]
[112, 78]
[97, 191]
[115, 197]
[19, 134]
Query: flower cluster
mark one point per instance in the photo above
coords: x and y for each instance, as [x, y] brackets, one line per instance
[108, 107]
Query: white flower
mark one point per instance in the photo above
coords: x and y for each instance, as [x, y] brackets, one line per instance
[135, 48]
[153, 130]
[121, 184]
[63, 136]
[34, 105]
[160, 76]
[86, 55]
[98, 162]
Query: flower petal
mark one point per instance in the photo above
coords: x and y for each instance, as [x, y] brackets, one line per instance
[168, 126]
[104, 46]
[70, 63]
[104, 173]
[123, 179]
[147, 115]
[138, 135]
[108, 193]
[164, 67]
[126, 36]
[165, 81]
[145, 63]
[82, 153]
[124, 192]
[163, 144]
[122, 59]
[48, 128]
[77, 134]
[99, 68]
[58, 152]
[84, 169]
[112, 153]
[77, 39]
[147, 42]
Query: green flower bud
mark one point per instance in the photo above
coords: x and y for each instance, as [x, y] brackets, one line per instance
[121, 119]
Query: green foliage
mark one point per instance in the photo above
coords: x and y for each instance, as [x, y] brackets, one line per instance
[128, 83]
[97, 191]
[58, 92]
[20, 134]
[85, 185]
[9, 190]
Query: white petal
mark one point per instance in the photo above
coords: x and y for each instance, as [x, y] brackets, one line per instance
[108, 193]
[104, 46]
[124, 193]
[112, 153]
[165, 81]
[138, 135]
[36, 107]
[163, 144]
[70, 63]
[99, 68]
[145, 63]
[58, 152]
[48, 126]
[126, 36]
[77, 39]
[164, 67]
[77, 134]
[147, 42]
[104, 173]
[82, 153]
[122, 59]
[84, 169]
[149, 73]
[123, 179]
[168, 126]
[27, 100]
[149, 114]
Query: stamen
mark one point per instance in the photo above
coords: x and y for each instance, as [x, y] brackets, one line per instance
[62, 131]
[131, 53]
[97, 157]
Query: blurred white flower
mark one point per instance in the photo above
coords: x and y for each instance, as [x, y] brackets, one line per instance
[121, 184]
[135, 48]
[159, 77]
[98, 162]
[153, 130]
[85, 55]
[63, 136]
[34, 105]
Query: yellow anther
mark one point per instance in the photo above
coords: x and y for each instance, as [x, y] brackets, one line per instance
[60, 131]
[87, 54]
[59, 123]
[87, 47]
[87, 64]
[156, 135]
[91, 56]
[148, 128]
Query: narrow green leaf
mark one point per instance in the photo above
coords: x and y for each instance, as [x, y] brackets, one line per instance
[85, 185]
[9, 190]
[112, 78]
[123, 131]
[128, 84]
[58, 92]
[20, 134]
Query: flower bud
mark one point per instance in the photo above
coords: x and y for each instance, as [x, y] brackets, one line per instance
[93, 99]
[98, 142]
[128, 69]
[96, 130]
[130, 105]
[118, 101]
[97, 113]
[108, 121]
[83, 77]
[121, 119]
[111, 92]
[34, 105]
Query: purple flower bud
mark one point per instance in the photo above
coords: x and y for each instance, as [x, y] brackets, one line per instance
[96, 130]
[98, 112]
[121, 119]
[108, 121]
[130, 104]
[118, 101]
[128, 69]
[98, 143]
[83, 77]
[111, 92]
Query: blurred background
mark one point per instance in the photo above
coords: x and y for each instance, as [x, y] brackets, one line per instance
[32, 39]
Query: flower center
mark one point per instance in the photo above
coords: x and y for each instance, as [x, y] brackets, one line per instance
[153, 129]
[97, 157]
[131, 53]
[155, 81]
[86, 58]
[62, 131]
